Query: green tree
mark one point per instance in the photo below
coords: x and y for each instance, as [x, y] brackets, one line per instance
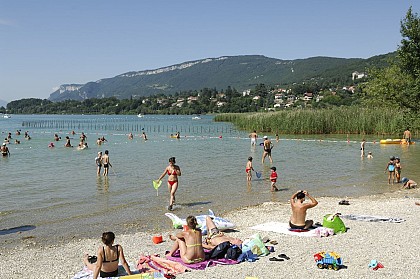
[398, 85]
[409, 51]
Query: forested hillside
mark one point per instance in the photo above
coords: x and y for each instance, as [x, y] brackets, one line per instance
[240, 72]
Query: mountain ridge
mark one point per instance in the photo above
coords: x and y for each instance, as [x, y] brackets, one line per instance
[241, 72]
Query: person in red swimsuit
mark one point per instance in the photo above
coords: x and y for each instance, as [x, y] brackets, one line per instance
[173, 171]
[273, 179]
[248, 169]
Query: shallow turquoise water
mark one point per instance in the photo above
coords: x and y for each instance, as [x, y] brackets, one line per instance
[57, 191]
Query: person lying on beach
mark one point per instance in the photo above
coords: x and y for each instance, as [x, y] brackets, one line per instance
[299, 208]
[108, 258]
[408, 183]
[189, 243]
[215, 236]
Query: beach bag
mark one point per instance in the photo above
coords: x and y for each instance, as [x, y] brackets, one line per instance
[255, 245]
[333, 221]
[233, 252]
[220, 250]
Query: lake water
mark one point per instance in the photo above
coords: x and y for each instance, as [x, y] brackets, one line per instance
[55, 193]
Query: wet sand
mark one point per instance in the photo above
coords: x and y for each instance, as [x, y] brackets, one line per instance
[395, 245]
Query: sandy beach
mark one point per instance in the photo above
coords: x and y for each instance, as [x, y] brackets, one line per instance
[395, 245]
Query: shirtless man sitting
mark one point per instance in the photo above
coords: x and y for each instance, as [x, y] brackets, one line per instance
[298, 218]
[215, 237]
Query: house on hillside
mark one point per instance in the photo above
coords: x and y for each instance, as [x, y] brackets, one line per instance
[246, 92]
[307, 96]
[349, 88]
[192, 99]
[220, 104]
[278, 96]
[357, 75]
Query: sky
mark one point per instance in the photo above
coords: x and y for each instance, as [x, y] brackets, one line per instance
[46, 43]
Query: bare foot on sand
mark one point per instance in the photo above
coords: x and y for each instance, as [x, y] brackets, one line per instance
[417, 203]
[85, 258]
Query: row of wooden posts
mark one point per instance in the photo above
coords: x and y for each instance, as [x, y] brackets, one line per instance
[71, 125]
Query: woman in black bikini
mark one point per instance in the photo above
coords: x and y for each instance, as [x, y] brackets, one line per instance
[173, 172]
[108, 258]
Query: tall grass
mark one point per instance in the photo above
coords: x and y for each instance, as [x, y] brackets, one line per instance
[349, 120]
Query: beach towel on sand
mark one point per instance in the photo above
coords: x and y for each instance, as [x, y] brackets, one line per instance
[367, 218]
[158, 264]
[283, 228]
[201, 265]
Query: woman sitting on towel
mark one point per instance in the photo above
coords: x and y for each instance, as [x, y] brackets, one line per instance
[189, 243]
[108, 258]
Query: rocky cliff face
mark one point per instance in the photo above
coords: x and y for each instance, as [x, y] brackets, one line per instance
[64, 91]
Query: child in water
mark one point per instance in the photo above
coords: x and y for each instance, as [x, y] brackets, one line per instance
[370, 156]
[398, 169]
[248, 169]
[273, 178]
[98, 162]
[390, 167]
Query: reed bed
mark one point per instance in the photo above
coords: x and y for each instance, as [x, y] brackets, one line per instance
[349, 120]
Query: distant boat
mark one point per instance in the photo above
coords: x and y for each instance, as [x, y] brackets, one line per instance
[196, 118]
[6, 116]
[140, 115]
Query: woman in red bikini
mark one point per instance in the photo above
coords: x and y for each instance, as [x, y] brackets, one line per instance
[173, 171]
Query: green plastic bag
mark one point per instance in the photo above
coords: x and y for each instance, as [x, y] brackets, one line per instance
[256, 245]
[334, 222]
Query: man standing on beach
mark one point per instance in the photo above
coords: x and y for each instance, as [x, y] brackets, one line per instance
[253, 137]
[299, 208]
